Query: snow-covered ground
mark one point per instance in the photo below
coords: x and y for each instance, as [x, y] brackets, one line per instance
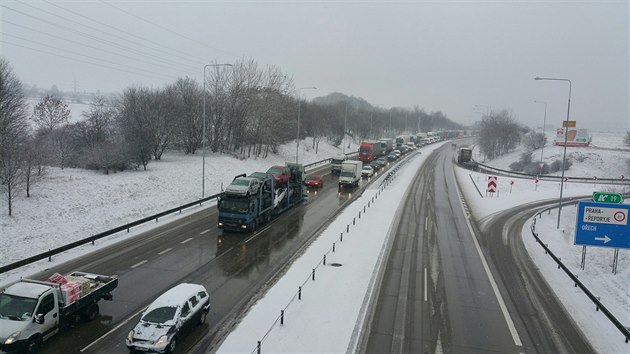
[72, 204]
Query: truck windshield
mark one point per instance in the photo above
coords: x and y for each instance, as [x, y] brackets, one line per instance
[160, 315]
[239, 206]
[16, 308]
[336, 162]
[347, 174]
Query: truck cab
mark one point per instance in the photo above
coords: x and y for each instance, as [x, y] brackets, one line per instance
[29, 315]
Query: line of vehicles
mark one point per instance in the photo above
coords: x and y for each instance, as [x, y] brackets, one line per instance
[32, 311]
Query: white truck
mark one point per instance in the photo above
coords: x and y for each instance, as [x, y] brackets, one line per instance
[350, 173]
[32, 311]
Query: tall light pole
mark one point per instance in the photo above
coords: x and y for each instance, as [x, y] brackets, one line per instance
[543, 131]
[297, 145]
[345, 128]
[203, 139]
[566, 132]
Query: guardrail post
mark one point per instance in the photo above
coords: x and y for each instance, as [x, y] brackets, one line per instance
[313, 274]
[49, 257]
[281, 317]
[354, 220]
[341, 237]
[559, 262]
[348, 228]
[258, 348]
[324, 259]
[333, 247]
[359, 214]
[156, 219]
[299, 293]
[92, 242]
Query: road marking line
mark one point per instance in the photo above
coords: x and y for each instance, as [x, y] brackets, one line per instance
[166, 250]
[426, 223]
[493, 283]
[186, 240]
[425, 284]
[112, 330]
[139, 264]
[204, 231]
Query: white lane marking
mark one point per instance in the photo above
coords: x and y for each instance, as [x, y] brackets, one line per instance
[204, 231]
[425, 284]
[112, 330]
[186, 240]
[139, 264]
[426, 222]
[166, 250]
[493, 283]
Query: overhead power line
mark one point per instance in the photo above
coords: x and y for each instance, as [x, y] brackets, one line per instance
[87, 62]
[158, 25]
[171, 67]
[160, 46]
[95, 38]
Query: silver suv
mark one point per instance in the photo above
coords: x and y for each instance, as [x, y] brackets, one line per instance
[172, 314]
[243, 186]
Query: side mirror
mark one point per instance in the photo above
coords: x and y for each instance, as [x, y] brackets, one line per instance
[39, 318]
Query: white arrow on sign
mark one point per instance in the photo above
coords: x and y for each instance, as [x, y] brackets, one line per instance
[605, 239]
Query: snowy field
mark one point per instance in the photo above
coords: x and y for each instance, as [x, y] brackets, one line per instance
[72, 204]
[607, 157]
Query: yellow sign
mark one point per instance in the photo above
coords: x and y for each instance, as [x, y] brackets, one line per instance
[568, 124]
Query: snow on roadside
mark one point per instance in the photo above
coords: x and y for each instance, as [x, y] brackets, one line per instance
[71, 204]
[613, 289]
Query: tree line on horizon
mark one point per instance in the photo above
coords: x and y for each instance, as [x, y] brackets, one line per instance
[249, 111]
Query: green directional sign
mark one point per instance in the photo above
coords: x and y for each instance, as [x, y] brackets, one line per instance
[601, 197]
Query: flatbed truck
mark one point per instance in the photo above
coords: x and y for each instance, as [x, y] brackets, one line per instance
[32, 311]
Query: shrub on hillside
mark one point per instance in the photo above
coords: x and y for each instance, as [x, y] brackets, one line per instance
[557, 166]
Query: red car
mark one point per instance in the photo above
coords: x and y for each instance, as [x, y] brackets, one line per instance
[280, 173]
[315, 181]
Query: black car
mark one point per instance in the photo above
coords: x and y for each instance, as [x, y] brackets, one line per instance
[392, 157]
[375, 165]
[382, 161]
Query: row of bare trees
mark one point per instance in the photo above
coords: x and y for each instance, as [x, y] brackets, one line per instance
[499, 133]
[247, 110]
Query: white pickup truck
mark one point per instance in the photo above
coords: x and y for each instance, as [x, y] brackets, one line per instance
[350, 173]
[32, 311]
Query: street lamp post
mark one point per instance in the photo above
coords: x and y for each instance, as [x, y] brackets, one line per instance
[543, 131]
[566, 131]
[297, 145]
[203, 139]
[345, 128]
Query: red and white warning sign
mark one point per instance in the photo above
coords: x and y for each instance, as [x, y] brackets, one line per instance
[492, 184]
[566, 179]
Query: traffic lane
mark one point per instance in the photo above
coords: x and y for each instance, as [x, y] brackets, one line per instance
[139, 285]
[543, 316]
[395, 325]
[240, 264]
[475, 320]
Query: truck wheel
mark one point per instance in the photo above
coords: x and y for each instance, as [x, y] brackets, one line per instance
[91, 312]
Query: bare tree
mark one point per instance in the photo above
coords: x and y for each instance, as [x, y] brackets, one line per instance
[534, 140]
[188, 117]
[51, 112]
[13, 131]
[499, 133]
[99, 122]
[134, 123]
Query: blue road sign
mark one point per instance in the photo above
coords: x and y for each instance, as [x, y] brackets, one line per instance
[603, 225]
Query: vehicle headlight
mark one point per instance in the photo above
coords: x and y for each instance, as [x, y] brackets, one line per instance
[12, 338]
[130, 336]
[162, 340]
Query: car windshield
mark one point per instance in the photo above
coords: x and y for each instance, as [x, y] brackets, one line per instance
[240, 182]
[160, 315]
[367, 168]
[275, 170]
[239, 206]
[16, 308]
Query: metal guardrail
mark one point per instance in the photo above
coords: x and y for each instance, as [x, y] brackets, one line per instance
[91, 239]
[598, 305]
[619, 181]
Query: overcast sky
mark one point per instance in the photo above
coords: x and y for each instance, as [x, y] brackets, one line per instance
[439, 55]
